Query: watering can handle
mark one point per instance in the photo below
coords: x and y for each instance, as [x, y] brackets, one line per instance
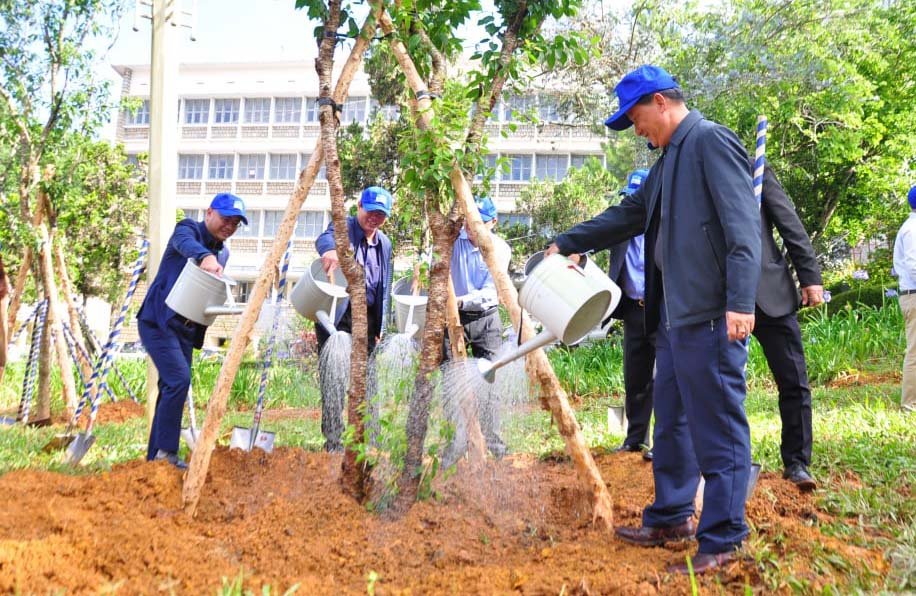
[230, 300]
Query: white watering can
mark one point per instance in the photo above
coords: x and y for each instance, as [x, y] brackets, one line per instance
[567, 299]
[315, 297]
[409, 309]
[584, 261]
[201, 296]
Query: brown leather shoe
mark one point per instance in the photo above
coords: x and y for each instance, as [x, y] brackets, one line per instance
[703, 562]
[649, 536]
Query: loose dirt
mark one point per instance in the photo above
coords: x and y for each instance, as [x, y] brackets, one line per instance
[522, 525]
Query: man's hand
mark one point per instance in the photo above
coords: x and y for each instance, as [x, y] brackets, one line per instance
[211, 265]
[739, 325]
[553, 249]
[812, 295]
[330, 262]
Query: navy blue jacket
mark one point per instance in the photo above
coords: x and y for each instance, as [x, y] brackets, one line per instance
[325, 242]
[701, 193]
[190, 240]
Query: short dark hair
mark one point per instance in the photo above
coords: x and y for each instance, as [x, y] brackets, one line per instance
[674, 93]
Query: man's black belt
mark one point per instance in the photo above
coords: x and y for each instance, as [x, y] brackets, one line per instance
[470, 316]
[906, 292]
[185, 321]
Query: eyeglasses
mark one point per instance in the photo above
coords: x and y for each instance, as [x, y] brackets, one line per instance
[235, 222]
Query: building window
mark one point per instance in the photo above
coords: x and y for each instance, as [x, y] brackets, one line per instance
[551, 167]
[251, 230]
[196, 111]
[251, 167]
[226, 111]
[389, 113]
[311, 109]
[519, 168]
[310, 224]
[190, 167]
[578, 160]
[322, 173]
[139, 115]
[488, 168]
[257, 110]
[195, 214]
[287, 109]
[241, 292]
[221, 166]
[354, 110]
[547, 109]
[133, 159]
[282, 166]
[516, 107]
[272, 221]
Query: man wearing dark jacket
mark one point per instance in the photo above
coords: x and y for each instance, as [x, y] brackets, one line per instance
[628, 271]
[372, 250]
[776, 325]
[702, 253]
[170, 338]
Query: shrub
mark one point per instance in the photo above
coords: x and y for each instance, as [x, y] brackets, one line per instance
[863, 295]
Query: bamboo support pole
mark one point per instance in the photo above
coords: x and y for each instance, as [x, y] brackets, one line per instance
[216, 408]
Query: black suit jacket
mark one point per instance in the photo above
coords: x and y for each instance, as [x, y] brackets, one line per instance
[615, 270]
[777, 294]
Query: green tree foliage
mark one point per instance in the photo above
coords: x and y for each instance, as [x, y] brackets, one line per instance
[837, 80]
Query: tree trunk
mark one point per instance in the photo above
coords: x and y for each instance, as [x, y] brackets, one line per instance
[18, 288]
[216, 408]
[66, 288]
[4, 334]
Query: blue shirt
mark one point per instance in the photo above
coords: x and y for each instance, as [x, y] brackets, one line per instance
[369, 255]
[474, 286]
[634, 273]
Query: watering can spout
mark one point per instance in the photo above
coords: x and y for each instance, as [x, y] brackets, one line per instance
[224, 310]
[412, 329]
[326, 322]
[488, 369]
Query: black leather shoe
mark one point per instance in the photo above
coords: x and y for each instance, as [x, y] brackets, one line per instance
[647, 455]
[703, 562]
[629, 448]
[172, 458]
[649, 536]
[798, 475]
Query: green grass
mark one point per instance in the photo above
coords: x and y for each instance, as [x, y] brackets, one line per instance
[864, 450]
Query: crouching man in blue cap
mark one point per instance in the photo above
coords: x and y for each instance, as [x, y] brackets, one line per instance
[702, 258]
[372, 250]
[170, 338]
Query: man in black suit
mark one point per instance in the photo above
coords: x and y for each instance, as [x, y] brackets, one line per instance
[777, 323]
[627, 269]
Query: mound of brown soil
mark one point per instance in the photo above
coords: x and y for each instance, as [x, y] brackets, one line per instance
[522, 525]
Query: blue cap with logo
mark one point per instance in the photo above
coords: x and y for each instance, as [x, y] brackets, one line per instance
[229, 205]
[912, 198]
[486, 208]
[642, 81]
[634, 181]
[376, 198]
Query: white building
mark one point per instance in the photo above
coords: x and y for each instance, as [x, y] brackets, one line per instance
[249, 128]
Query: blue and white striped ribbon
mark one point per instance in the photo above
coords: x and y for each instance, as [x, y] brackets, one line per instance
[271, 341]
[760, 157]
[108, 352]
[88, 331]
[31, 367]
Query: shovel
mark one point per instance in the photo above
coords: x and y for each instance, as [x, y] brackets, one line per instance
[190, 434]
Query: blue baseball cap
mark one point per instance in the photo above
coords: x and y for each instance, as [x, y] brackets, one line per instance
[911, 197]
[642, 81]
[486, 207]
[634, 181]
[376, 198]
[229, 205]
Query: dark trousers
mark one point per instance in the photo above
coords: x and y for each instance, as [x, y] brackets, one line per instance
[171, 351]
[638, 369]
[780, 338]
[332, 406]
[701, 428]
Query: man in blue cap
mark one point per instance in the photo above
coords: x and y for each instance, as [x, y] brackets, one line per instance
[372, 249]
[628, 271]
[905, 266]
[170, 338]
[478, 311]
[702, 253]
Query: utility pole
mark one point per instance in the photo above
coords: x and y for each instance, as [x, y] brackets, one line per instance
[166, 17]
